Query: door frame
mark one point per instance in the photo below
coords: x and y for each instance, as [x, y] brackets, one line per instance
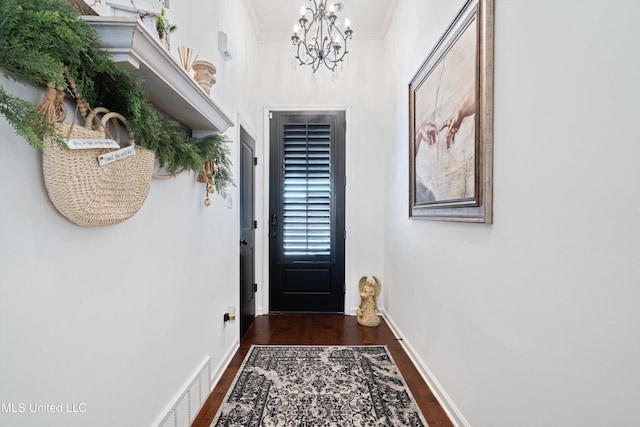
[262, 299]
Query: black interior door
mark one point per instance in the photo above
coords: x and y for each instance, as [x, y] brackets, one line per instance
[247, 231]
[306, 199]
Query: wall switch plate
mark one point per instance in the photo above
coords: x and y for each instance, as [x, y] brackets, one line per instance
[229, 201]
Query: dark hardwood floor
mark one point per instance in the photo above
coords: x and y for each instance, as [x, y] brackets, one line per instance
[323, 329]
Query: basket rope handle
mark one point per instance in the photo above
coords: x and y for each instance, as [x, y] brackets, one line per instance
[90, 115]
[81, 104]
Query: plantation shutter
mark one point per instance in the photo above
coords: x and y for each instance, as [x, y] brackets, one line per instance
[307, 199]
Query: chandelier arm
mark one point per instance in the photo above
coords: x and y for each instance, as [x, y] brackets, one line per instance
[315, 6]
[339, 32]
[332, 57]
[337, 55]
[309, 53]
[332, 67]
[343, 53]
[298, 55]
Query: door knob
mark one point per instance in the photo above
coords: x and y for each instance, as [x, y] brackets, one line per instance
[244, 242]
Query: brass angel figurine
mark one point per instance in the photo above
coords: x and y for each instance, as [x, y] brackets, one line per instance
[369, 288]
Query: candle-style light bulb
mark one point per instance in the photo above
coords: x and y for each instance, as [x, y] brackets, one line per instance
[332, 8]
[347, 23]
[302, 10]
[296, 28]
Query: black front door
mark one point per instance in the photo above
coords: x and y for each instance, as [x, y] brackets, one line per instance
[306, 199]
[247, 231]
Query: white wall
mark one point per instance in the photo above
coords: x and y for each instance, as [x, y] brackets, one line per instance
[533, 320]
[357, 90]
[121, 317]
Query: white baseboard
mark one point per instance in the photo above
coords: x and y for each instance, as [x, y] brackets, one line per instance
[445, 401]
[185, 407]
[222, 365]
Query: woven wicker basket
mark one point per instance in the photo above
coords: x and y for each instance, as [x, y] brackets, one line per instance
[91, 195]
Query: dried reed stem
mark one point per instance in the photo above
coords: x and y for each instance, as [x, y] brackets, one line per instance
[185, 56]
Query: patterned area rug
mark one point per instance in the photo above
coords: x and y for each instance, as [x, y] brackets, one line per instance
[312, 386]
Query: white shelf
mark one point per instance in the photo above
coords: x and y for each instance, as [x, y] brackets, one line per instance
[167, 85]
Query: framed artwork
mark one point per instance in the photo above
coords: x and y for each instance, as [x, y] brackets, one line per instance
[451, 122]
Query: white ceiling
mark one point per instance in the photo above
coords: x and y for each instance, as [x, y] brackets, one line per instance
[274, 19]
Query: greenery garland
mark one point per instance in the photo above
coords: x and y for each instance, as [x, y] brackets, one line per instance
[40, 37]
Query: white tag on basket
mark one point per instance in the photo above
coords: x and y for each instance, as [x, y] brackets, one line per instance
[113, 156]
[84, 143]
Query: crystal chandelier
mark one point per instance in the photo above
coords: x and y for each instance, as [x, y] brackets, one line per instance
[321, 41]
